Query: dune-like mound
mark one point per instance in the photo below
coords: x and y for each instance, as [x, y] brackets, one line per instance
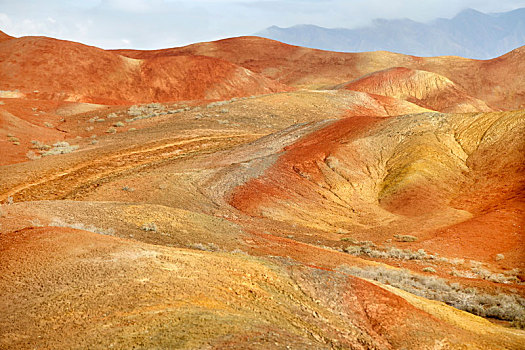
[426, 89]
[496, 82]
[53, 69]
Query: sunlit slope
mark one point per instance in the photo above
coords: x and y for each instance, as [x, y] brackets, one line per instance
[497, 82]
[71, 288]
[410, 174]
[46, 68]
[426, 89]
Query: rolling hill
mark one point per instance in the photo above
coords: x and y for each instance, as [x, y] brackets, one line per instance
[246, 193]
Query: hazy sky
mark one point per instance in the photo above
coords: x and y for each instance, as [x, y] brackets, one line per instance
[149, 24]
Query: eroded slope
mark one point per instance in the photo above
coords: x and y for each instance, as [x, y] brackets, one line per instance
[71, 288]
[426, 89]
[375, 178]
[51, 69]
[497, 82]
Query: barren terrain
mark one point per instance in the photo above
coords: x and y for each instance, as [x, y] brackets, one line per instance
[249, 194]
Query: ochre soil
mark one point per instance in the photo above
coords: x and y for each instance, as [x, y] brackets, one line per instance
[224, 225]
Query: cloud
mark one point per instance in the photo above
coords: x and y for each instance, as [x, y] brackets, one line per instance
[152, 24]
[139, 6]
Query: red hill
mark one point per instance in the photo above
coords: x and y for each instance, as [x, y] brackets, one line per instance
[60, 70]
[426, 89]
[496, 82]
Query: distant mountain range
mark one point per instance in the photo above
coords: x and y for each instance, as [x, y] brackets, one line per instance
[471, 34]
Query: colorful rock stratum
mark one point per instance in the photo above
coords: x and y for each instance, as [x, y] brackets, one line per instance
[247, 194]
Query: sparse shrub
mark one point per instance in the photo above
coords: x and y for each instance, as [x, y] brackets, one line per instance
[61, 144]
[218, 103]
[149, 227]
[40, 146]
[155, 105]
[35, 223]
[353, 249]
[93, 142]
[429, 269]
[128, 189]
[368, 248]
[89, 128]
[500, 257]
[405, 238]
[32, 155]
[134, 110]
[112, 115]
[508, 307]
[111, 130]
[80, 226]
[145, 111]
[100, 120]
[475, 263]
[175, 111]
[48, 125]
[481, 273]
[132, 129]
[13, 139]
[61, 147]
[118, 124]
[10, 200]
[209, 247]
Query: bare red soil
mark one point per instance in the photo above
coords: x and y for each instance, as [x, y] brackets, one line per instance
[324, 176]
[489, 81]
[31, 66]
[292, 178]
[241, 223]
[4, 36]
[426, 89]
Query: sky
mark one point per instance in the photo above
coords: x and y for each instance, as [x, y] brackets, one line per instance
[153, 24]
